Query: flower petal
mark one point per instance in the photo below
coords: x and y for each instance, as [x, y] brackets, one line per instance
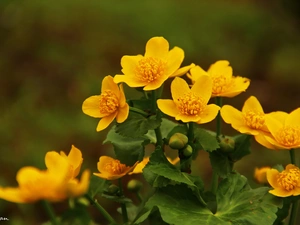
[155, 84]
[77, 189]
[280, 192]
[187, 118]
[131, 81]
[168, 107]
[129, 64]
[252, 104]
[197, 72]
[273, 124]
[91, 106]
[240, 85]
[209, 114]
[182, 70]
[260, 138]
[272, 178]
[174, 60]
[232, 116]
[106, 121]
[75, 159]
[179, 87]
[109, 84]
[157, 47]
[122, 98]
[203, 87]
[220, 67]
[55, 163]
[12, 195]
[122, 113]
[293, 118]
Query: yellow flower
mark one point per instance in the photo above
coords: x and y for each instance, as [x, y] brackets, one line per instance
[285, 183]
[224, 84]
[112, 169]
[141, 165]
[151, 70]
[56, 183]
[285, 129]
[260, 174]
[110, 104]
[190, 105]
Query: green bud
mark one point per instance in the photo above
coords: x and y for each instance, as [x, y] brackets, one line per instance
[134, 185]
[187, 151]
[84, 201]
[113, 189]
[227, 144]
[178, 141]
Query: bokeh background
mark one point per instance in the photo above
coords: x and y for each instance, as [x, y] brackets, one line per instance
[54, 54]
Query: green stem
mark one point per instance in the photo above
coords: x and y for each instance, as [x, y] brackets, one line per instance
[154, 111]
[153, 102]
[139, 111]
[191, 132]
[50, 212]
[101, 209]
[123, 205]
[219, 119]
[139, 196]
[294, 210]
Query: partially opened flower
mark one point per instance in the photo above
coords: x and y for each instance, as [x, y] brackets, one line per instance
[56, 183]
[151, 70]
[190, 105]
[112, 169]
[260, 174]
[285, 183]
[224, 84]
[285, 129]
[110, 104]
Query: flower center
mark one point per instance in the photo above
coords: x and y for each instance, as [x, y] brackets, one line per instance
[115, 167]
[220, 83]
[289, 135]
[190, 104]
[108, 102]
[255, 120]
[149, 69]
[289, 179]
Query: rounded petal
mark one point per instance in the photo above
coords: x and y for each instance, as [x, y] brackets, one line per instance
[272, 178]
[273, 124]
[108, 176]
[197, 72]
[56, 163]
[122, 98]
[187, 118]
[122, 113]
[280, 192]
[203, 87]
[91, 106]
[293, 118]
[77, 189]
[279, 115]
[109, 84]
[129, 63]
[75, 159]
[260, 138]
[174, 60]
[157, 47]
[131, 81]
[155, 84]
[140, 166]
[232, 116]
[182, 70]
[106, 121]
[240, 84]
[12, 195]
[209, 114]
[277, 145]
[103, 161]
[252, 104]
[168, 107]
[220, 67]
[179, 87]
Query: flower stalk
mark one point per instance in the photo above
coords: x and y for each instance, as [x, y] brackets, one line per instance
[123, 205]
[294, 210]
[49, 210]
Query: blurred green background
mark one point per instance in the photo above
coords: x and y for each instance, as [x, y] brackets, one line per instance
[54, 54]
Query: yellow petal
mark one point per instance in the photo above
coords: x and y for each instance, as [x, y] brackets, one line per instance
[203, 87]
[108, 176]
[252, 104]
[140, 166]
[232, 116]
[157, 47]
[187, 118]
[244, 129]
[12, 195]
[293, 118]
[260, 138]
[220, 67]
[109, 84]
[91, 106]
[77, 189]
[272, 178]
[182, 70]
[197, 72]
[279, 115]
[179, 88]
[280, 192]
[168, 107]
[277, 145]
[155, 84]
[122, 113]
[106, 121]
[122, 99]
[240, 84]
[273, 124]
[174, 60]
[55, 163]
[129, 64]
[75, 160]
[209, 114]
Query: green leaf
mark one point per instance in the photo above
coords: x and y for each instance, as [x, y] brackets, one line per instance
[127, 149]
[137, 125]
[237, 204]
[143, 104]
[159, 172]
[242, 147]
[97, 186]
[76, 216]
[220, 163]
[206, 140]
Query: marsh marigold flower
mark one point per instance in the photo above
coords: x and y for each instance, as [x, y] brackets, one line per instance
[56, 183]
[260, 174]
[110, 104]
[224, 84]
[285, 183]
[151, 70]
[285, 130]
[190, 105]
[112, 169]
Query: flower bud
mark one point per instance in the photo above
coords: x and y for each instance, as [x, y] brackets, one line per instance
[187, 151]
[113, 189]
[178, 141]
[134, 185]
[227, 144]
